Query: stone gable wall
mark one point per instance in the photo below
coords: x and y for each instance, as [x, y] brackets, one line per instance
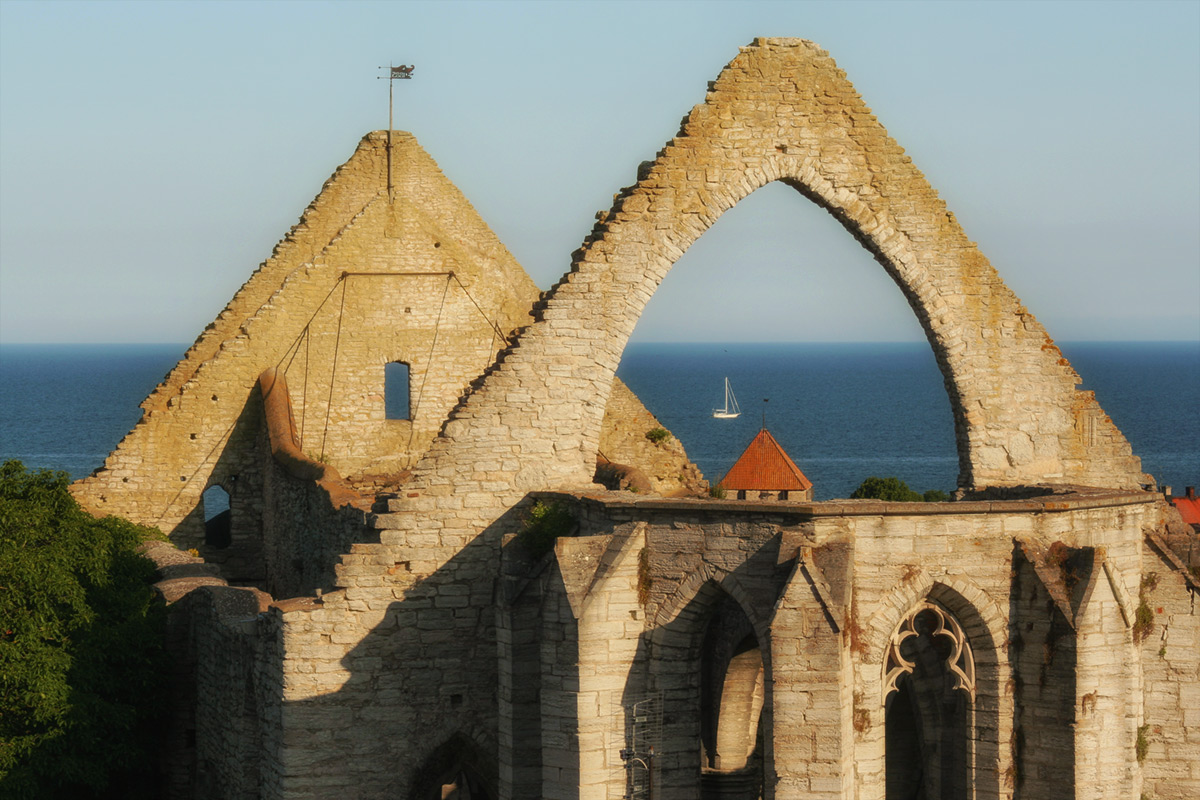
[781, 111]
[321, 324]
[361, 282]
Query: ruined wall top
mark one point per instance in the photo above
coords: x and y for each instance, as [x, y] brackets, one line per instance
[783, 111]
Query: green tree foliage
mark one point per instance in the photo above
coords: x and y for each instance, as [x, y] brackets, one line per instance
[892, 488]
[545, 523]
[82, 665]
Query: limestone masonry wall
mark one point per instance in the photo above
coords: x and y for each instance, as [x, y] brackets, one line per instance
[782, 111]
[1036, 639]
[625, 602]
[1170, 655]
[363, 281]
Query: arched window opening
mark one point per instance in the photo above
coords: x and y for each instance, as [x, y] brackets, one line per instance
[774, 271]
[929, 691]
[396, 391]
[731, 704]
[454, 771]
[218, 517]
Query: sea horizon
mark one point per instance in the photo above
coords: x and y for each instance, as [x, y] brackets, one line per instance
[844, 410]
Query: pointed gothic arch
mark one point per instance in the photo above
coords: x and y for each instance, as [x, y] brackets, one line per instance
[714, 676]
[929, 702]
[782, 111]
[457, 768]
[940, 676]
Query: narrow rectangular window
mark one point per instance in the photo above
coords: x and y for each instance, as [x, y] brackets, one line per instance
[218, 518]
[396, 395]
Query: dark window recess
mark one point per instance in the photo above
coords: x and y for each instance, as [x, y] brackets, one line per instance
[218, 519]
[396, 395]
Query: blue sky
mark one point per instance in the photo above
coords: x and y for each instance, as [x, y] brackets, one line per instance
[151, 154]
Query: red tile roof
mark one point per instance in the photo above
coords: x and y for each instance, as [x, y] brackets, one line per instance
[765, 467]
[1189, 509]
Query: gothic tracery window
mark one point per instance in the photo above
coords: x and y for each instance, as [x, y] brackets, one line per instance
[929, 693]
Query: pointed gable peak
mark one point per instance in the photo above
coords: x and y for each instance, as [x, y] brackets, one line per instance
[765, 466]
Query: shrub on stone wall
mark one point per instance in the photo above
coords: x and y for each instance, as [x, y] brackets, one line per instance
[82, 664]
[894, 489]
[545, 523]
[658, 435]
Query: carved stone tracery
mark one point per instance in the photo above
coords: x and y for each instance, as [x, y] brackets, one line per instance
[960, 662]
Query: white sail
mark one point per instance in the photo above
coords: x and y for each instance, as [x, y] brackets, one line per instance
[731, 410]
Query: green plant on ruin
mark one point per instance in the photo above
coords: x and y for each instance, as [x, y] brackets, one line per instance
[1142, 746]
[545, 523]
[1143, 622]
[82, 664]
[716, 491]
[658, 435]
[1149, 582]
[893, 489]
[1143, 618]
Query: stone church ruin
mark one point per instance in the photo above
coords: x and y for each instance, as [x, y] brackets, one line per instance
[420, 590]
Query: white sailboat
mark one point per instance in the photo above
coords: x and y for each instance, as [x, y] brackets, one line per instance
[731, 410]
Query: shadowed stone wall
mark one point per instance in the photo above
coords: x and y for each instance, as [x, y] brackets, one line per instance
[361, 281]
[625, 603]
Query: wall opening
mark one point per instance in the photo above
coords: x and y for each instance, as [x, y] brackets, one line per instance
[928, 709]
[456, 770]
[397, 394]
[218, 517]
[778, 297]
[731, 703]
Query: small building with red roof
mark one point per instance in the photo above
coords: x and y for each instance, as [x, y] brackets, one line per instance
[766, 472]
[1188, 507]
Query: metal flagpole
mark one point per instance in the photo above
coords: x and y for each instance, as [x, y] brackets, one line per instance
[402, 72]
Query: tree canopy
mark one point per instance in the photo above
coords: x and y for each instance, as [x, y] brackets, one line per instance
[82, 664]
[892, 488]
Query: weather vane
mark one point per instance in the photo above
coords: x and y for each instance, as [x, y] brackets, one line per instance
[402, 72]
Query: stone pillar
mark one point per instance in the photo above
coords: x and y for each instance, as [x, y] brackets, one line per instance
[1107, 711]
[583, 728]
[812, 701]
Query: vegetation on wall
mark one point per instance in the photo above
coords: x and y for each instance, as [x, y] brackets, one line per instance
[894, 489]
[658, 435]
[1143, 617]
[81, 656]
[545, 523]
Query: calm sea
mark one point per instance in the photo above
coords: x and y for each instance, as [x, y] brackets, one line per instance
[842, 411]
